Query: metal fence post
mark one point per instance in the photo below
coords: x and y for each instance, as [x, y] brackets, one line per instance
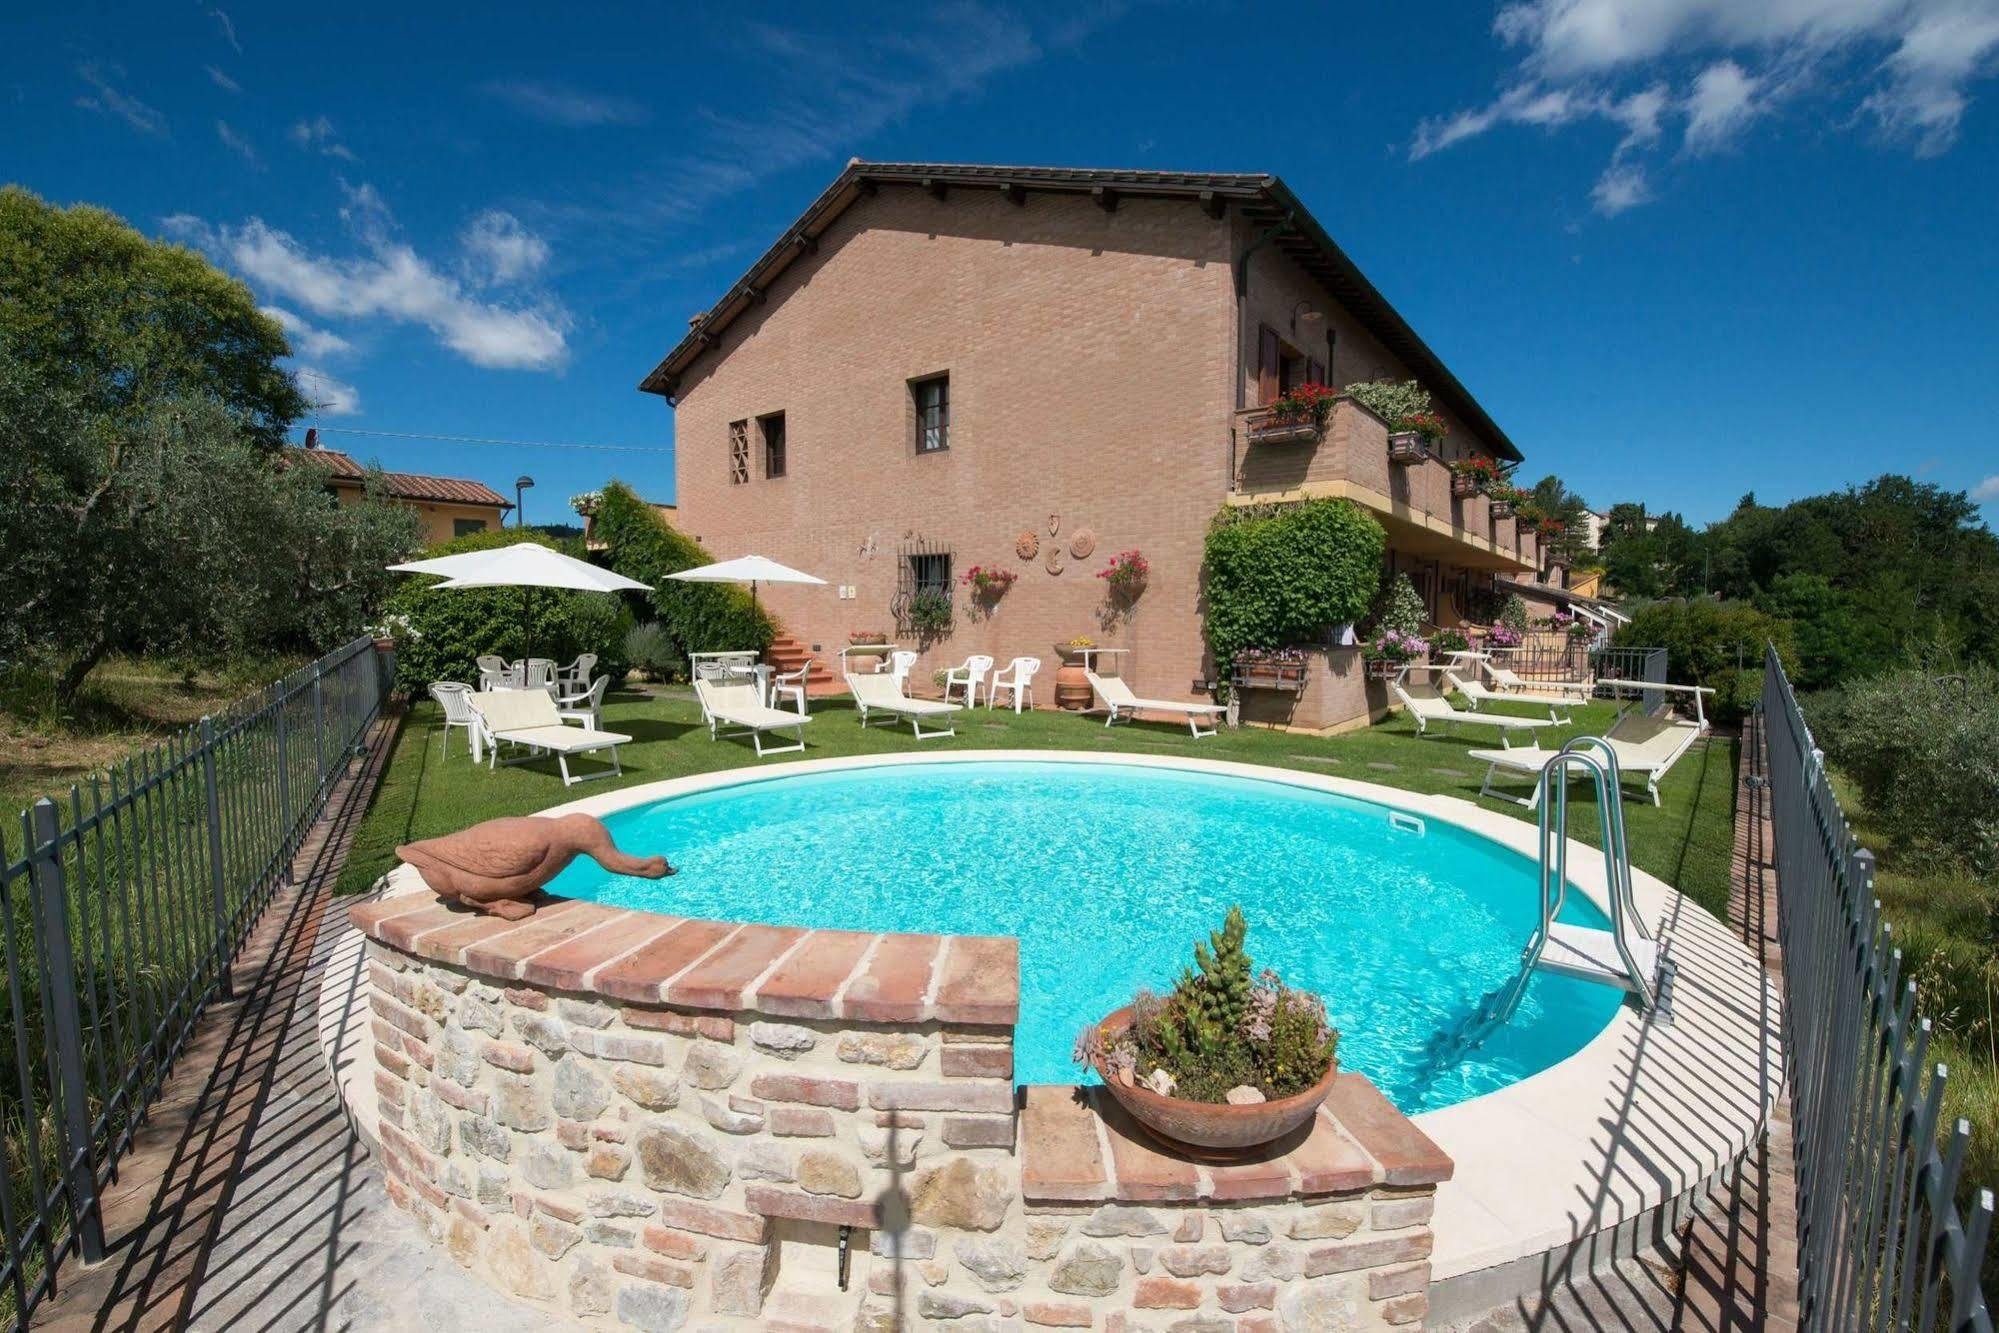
[65, 1030]
[318, 729]
[218, 879]
[284, 779]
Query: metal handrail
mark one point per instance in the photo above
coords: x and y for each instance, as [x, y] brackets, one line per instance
[1554, 824]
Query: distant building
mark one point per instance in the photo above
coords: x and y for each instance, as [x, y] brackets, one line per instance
[449, 506]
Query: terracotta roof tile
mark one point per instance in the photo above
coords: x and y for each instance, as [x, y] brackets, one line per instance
[407, 485]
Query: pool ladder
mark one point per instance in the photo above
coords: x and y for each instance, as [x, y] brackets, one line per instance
[1625, 956]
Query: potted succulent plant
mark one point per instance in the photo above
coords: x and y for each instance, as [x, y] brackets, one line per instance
[1227, 1061]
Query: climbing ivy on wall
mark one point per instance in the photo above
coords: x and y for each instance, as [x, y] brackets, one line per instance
[701, 617]
[1279, 575]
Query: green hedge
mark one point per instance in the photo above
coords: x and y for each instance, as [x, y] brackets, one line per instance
[1714, 643]
[701, 617]
[1281, 575]
[441, 631]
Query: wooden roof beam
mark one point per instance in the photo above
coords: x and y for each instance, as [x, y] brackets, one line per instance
[1104, 197]
[1013, 192]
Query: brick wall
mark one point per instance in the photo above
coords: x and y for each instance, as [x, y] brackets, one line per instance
[1090, 356]
[560, 1128]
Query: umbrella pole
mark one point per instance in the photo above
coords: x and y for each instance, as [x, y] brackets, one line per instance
[527, 634]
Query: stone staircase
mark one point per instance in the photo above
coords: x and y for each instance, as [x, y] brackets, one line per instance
[788, 654]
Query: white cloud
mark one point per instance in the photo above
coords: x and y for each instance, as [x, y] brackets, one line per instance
[1987, 491]
[228, 27]
[330, 397]
[557, 104]
[318, 136]
[1906, 64]
[1723, 100]
[222, 81]
[307, 339]
[1622, 186]
[499, 249]
[236, 143]
[109, 100]
[388, 281]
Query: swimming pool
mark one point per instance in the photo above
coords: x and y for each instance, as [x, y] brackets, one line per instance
[1107, 873]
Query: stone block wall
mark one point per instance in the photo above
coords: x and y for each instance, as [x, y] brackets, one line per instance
[555, 1113]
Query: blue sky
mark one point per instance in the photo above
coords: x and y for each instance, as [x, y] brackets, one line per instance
[1680, 249]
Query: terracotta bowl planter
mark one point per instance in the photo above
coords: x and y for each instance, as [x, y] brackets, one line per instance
[1213, 1129]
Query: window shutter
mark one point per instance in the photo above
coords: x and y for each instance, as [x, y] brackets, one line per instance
[1315, 373]
[1267, 364]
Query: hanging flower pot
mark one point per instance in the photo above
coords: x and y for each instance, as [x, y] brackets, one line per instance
[1126, 573]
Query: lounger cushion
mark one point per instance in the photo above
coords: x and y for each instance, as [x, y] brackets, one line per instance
[569, 740]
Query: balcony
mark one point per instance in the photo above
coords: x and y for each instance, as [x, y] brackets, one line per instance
[1349, 459]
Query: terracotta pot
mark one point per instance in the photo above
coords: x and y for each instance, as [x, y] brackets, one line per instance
[1072, 687]
[1210, 1128]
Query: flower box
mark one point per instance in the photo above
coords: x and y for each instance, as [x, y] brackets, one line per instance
[1384, 668]
[1288, 676]
[1406, 447]
[1502, 509]
[1285, 428]
[1464, 485]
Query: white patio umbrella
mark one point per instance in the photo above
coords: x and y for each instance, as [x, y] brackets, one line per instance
[750, 569]
[524, 565]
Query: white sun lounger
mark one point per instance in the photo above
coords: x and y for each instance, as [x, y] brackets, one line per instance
[1558, 705]
[1513, 683]
[529, 717]
[1646, 747]
[1121, 702]
[1430, 709]
[882, 693]
[739, 706]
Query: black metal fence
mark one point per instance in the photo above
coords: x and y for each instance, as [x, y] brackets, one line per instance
[1577, 659]
[121, 908]
[1884, 1239]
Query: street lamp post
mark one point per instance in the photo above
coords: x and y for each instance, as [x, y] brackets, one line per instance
[521, 483]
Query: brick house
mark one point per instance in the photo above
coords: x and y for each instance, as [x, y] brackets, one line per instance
[943, 366]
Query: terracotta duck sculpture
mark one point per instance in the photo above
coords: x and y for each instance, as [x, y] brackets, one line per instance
[493, 867]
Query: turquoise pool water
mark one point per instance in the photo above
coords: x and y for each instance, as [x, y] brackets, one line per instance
[1108, 873]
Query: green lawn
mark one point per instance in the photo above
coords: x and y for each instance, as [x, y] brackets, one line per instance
[1685, 842]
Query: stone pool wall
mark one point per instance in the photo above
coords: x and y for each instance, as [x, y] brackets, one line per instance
[648, 1122]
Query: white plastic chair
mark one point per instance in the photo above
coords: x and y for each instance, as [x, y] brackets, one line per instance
[968, 677]
[576, 676]
[899, 663]
[540, 675]
[495, 674]
[452, 697]
[585, 706]
[791, 685]
[1017, 679]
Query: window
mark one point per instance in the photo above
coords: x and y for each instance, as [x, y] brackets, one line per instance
[772, 430]
[465, 527]
[739, 452]
[930, 573]
[933, 416]
[1280, 367]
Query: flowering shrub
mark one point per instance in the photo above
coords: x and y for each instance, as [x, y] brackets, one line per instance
[1550, 527]
[1451, 641]
[929, 612]
[1223, 1026]
[1395, 645]
[988, 580]
[1126, 572]
[1504, 636]
[1312, 398]
[586, 503]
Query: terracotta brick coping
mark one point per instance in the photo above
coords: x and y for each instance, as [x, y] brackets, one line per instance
[648, 958]
[1079, 1146]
